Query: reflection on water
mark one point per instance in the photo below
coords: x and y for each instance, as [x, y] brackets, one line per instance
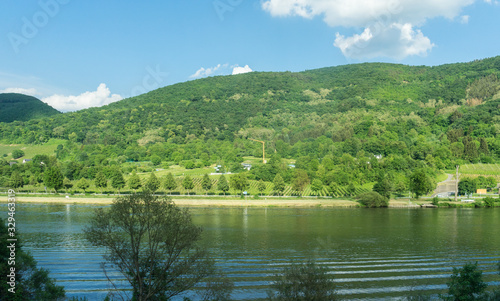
[372, 254]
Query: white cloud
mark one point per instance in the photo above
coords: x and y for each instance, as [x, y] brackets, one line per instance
[102, 96]
[29, 91]
[202, 72]
[464, 19]
[239, 70]
[395, 41]
[393, 20]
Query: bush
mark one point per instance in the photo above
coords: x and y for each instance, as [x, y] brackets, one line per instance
[17, 153]
[303, 282]
[435, 201]
[466, 283]
[373, 199]
[489, 202]
[478, 204]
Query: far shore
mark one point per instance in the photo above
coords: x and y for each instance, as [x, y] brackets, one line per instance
[216, 201]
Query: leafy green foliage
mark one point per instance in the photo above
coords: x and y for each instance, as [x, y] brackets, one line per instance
[466, 283]
[53, 178]
[153, 244]
[239, 182]
[206, 183]
[466, 186]
[301, 282]
[169, 182]
[83, 184]
[420, 183]
[222, 184]
[373, 199]
[187, 183]
[117, 180]
[279, 184]
[152, 183]
[100, 180]
[384, 187]
[17, 153]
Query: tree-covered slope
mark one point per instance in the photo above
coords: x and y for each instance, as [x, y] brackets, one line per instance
[343, 126]
[385, 107]
[14, 106]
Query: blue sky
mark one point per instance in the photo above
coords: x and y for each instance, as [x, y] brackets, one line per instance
[75, 54]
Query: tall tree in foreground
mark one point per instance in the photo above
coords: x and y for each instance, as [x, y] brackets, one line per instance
[303, 282]
[153, 244]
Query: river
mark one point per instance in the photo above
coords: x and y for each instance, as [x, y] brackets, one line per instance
[372, 254]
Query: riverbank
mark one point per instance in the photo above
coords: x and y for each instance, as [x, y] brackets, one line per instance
[218, 201]
[195, 202]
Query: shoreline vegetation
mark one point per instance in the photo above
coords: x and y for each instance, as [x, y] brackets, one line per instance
[234, 201]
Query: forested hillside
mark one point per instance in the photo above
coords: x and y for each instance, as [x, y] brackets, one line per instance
[331, 121]
[14, 106]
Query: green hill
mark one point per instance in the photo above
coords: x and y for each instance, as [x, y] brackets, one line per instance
[14, 106]
[330, 121]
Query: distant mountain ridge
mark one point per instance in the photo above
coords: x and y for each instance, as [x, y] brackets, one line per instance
[20, 107]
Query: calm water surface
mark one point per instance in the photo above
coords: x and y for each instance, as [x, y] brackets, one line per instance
[373, 254]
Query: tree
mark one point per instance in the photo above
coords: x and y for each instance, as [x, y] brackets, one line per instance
[420, 183]
[53, 178]
[303, 282]
[134, 182]
[222, 184]
[17, 153]
[206, 183]
[279, 184]
[261, 186]
[316, 186]
[156, 160]
[153, 183]
[100, 181]
[384, 187]
[300, 180]
[67, 183]
[351, 189]
[187, 183]
[466, 283]
[117, 180]
[153, 244]
[16, 180]
[239, 182]
[333, 188]
[83, 184]
[483, 146]
[466, 186]
[169, 182]
[373, 199]
[31, 283]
